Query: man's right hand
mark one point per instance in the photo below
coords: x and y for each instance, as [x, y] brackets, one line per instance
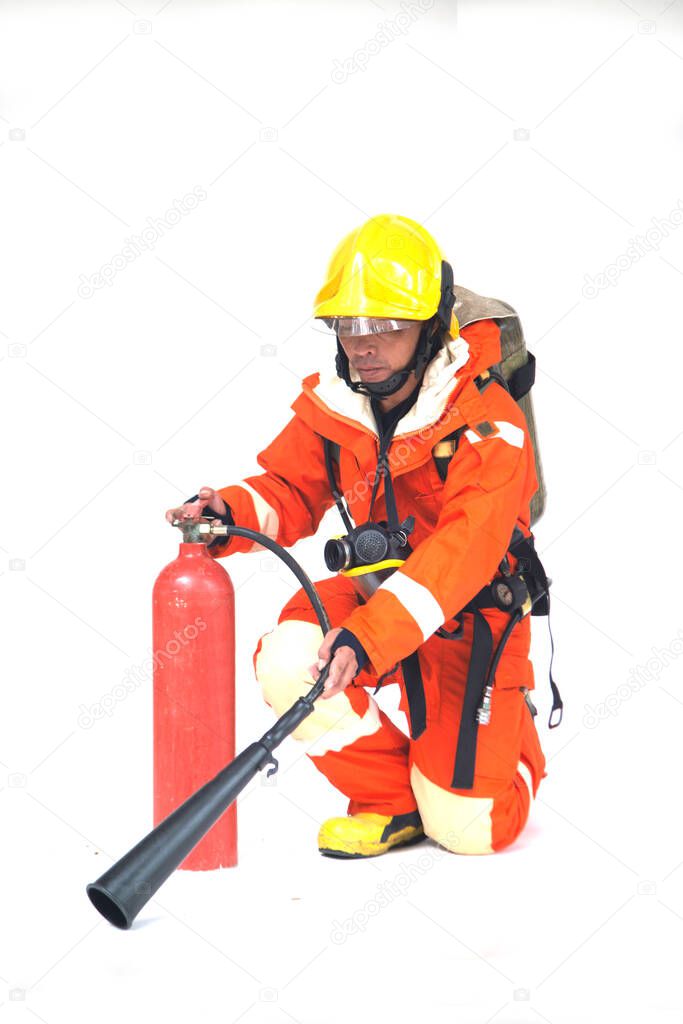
[195, 509]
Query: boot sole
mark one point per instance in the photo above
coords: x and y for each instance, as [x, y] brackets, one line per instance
[342, 855]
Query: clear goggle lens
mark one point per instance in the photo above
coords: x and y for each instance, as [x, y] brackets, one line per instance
[353, 326]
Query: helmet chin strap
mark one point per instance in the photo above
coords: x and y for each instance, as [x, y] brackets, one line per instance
[425, 350]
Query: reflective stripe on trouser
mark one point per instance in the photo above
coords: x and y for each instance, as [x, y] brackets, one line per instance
[369, 759]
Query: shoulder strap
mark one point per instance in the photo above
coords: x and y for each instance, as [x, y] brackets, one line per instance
[445, 449]
[332, 455]
[518, 385]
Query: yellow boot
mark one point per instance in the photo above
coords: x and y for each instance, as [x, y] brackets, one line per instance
[367, 834]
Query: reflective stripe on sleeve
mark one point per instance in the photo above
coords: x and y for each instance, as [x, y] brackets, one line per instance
[419, 602]
[268, 520]
[507, 431]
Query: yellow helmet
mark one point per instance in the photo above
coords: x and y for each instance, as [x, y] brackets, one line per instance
[390, 269]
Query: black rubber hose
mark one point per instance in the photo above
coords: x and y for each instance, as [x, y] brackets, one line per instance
[303, 578]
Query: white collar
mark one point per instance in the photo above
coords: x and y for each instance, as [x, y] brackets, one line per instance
[437, 385]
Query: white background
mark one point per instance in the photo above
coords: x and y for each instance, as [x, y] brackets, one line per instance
[535, 140]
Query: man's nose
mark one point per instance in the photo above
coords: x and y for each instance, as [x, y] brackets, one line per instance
[361, 345]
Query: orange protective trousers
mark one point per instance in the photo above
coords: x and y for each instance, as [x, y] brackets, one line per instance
[385, 771]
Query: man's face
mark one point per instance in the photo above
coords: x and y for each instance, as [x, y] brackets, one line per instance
[376, 356]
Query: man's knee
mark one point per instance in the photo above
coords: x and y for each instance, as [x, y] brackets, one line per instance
[461, 824]
[282, 659]
[281, 663]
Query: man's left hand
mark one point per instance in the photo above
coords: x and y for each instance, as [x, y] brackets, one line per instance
[343, 668]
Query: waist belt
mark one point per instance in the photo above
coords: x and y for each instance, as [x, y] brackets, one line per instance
[526, 591]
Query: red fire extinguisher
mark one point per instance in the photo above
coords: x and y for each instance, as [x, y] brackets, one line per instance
[194, 689]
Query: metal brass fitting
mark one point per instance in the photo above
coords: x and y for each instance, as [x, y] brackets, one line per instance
[201, 530]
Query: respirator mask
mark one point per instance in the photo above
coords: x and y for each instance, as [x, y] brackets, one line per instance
[369, 553]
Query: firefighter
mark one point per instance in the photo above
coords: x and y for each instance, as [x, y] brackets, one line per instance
[403, 381]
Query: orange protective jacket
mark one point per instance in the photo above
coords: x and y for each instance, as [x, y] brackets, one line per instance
[463, 526]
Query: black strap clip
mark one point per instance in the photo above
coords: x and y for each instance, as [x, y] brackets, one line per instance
[454, 634]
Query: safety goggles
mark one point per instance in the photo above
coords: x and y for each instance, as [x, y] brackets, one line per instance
[353, 326]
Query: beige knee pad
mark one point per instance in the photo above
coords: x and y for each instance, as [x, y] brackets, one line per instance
[462, 824]
[282, 670]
